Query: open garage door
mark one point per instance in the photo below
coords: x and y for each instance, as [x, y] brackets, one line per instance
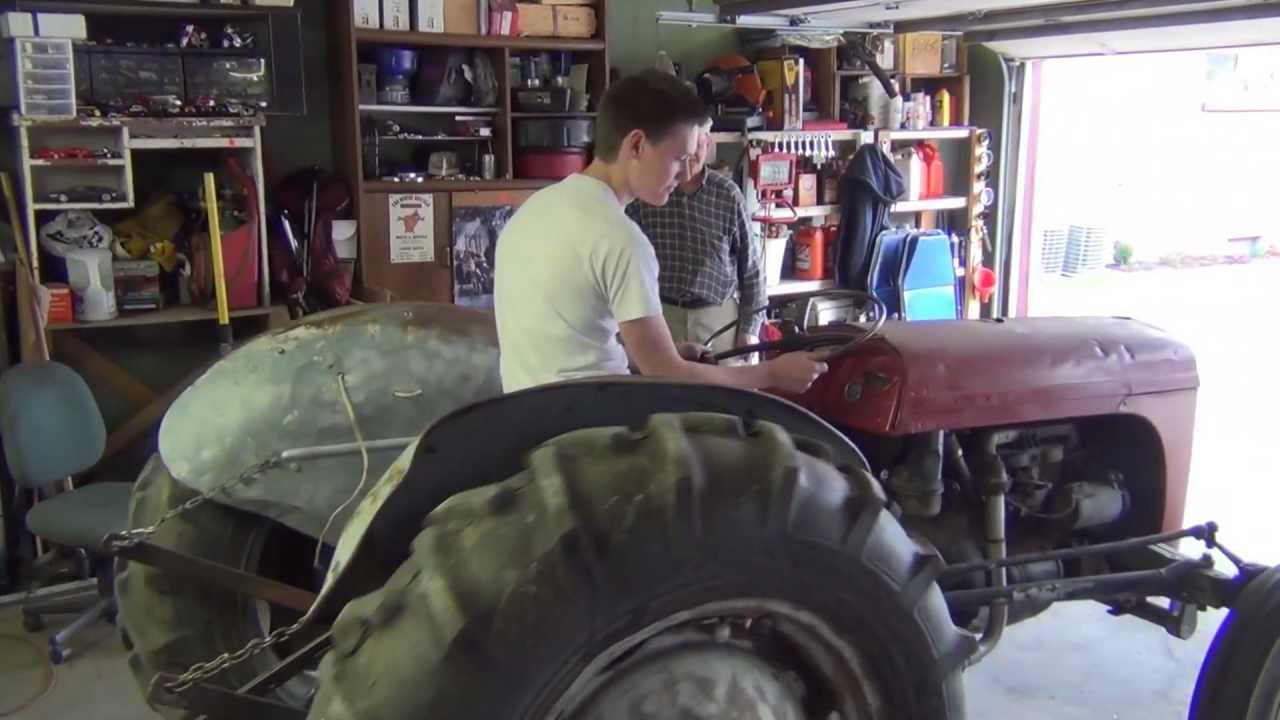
[1145, 128]
[1029, 29]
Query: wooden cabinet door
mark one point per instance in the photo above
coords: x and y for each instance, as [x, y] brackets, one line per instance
[427, 281]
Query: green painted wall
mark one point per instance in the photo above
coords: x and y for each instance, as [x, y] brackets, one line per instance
[635, 37]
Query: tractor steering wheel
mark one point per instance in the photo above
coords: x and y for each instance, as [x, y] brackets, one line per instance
[837, 343]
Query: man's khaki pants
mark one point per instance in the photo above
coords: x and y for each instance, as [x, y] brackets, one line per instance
[696, 326]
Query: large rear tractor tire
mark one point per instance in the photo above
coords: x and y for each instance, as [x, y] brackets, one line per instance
[1240, 677]
[695, 568]
[169, 623]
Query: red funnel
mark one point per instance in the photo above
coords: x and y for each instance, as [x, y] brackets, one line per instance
[984, 283]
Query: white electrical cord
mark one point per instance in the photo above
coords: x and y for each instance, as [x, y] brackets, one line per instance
[364, 466]
[50, 674]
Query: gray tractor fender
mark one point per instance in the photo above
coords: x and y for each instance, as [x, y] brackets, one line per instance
[488, 442]
[403, 366]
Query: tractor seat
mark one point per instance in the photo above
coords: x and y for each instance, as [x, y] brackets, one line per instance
[82, 518]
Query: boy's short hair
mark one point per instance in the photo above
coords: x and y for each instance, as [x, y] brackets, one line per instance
[651, 101]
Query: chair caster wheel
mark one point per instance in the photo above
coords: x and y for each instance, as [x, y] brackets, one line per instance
[32, 623]
[57, 655]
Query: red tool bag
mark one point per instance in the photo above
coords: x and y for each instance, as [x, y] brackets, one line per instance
[239, 253]
[311, 199]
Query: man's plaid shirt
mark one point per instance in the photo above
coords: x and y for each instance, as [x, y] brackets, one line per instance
[706, 251]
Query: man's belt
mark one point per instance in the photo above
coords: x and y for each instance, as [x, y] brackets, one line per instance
[688, 304]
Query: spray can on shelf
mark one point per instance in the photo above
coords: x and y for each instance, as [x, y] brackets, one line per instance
[942, 108]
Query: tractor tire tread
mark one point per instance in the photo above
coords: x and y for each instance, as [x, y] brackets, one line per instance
[462, 628]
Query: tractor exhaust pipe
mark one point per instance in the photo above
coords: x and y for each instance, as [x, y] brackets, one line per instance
[990, 473]
[998, 611]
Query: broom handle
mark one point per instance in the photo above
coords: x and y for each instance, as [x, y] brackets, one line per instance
[219, 272]
[24, 265]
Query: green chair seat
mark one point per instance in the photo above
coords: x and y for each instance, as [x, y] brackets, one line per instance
[82, 517]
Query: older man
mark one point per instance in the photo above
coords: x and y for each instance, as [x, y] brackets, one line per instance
[709, 269]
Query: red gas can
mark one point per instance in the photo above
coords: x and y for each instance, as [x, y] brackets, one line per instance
[811, 254]
[935, 173]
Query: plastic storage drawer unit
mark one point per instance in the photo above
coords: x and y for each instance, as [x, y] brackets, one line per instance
[41, 81]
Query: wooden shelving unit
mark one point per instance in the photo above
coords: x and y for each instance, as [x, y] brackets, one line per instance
[429, 109]
[956, 82]
[353, 46]
[772, 135]
[930, 205]
[423, 39]
[390, 186]
[946, 133]
[126, 136]
[799, 287]
[184, 313]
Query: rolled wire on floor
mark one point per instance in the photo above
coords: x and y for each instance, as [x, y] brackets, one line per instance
[50, 674]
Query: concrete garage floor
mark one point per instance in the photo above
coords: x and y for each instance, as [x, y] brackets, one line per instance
[1075, 662]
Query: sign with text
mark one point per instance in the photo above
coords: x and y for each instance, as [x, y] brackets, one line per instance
[412, 222]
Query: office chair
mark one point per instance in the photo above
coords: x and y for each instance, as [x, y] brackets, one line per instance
[51, 428]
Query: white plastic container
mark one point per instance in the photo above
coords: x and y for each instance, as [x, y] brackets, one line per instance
[911, 166]
[344, 239]
[775, 251]
[92, 282]
[895, 113]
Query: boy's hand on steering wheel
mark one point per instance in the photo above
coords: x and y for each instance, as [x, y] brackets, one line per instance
[796, 372]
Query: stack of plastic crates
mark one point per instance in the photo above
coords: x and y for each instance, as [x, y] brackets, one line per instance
[1086, 249]
[1053, 250]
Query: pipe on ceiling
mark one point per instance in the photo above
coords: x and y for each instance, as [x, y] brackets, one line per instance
[1058, 12]
[1147, 22]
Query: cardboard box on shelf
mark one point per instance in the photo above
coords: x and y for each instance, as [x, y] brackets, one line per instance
[535, 20]
[395, 15]
[137, 284]
[502, 17]
[462, 17]
[806, 189]
[367, 13]
[60, 306]
[575, 21]
[458, 17]
[428, 15]
[784, 79]
[61, 25]
[17, 24]
[920, 53]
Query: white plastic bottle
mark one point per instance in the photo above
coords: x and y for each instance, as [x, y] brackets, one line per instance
[895, 113]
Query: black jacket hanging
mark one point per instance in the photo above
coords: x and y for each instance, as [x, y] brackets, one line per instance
[868, 188]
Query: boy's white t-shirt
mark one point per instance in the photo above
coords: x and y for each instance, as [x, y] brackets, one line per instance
[570, 267]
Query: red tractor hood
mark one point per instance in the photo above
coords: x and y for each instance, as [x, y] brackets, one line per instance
[922, 376]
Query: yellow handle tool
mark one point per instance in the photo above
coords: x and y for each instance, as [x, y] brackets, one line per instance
[27, 282]
[219, 272]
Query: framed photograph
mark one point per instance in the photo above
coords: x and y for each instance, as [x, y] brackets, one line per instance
[475, 242]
